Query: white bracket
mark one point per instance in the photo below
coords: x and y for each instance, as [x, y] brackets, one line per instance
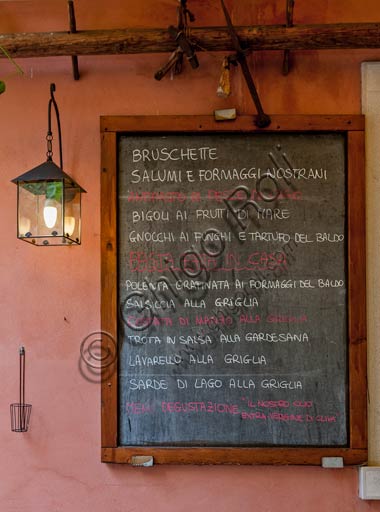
[332, 462]
[142, 461]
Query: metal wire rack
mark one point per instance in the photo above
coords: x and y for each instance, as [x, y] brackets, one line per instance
[20, 412]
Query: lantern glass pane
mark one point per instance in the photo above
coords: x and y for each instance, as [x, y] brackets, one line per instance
[41, 208]
[27, 219]
[72, 213]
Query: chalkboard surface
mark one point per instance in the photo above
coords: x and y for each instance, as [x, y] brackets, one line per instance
[232, 286]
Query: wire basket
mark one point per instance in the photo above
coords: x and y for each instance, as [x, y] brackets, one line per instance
[20, 412]
[20, 416]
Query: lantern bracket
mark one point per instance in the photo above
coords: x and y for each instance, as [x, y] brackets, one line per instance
[49, 136]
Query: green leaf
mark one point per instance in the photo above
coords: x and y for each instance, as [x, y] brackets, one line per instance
[54, 190]
[2, 87]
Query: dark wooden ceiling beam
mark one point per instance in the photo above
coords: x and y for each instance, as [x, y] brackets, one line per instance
[272, 37]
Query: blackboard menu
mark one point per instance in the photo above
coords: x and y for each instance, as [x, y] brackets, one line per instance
[232, 289]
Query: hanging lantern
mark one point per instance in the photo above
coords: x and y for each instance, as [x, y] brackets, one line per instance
[48, 199]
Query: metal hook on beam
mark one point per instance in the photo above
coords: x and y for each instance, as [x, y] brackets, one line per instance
[185, 47]
[289, 23]
[73, 30]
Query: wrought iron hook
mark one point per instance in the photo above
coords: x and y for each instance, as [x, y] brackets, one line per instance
[49, 136]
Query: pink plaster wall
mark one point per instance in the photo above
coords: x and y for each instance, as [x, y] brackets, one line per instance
[50, 298]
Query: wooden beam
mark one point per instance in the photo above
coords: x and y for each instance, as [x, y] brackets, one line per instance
[123, 41]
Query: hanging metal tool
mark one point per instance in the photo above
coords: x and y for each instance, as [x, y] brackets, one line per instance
[185, 47]
[263, 119]
[175, 61]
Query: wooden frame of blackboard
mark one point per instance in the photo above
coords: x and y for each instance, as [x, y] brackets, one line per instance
[353, 127]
